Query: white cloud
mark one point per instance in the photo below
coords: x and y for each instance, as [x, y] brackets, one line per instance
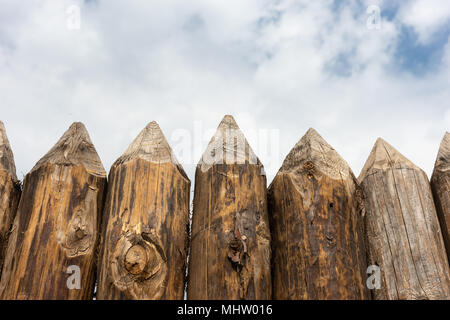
[426, 16]
[283, 65]
[447, 119]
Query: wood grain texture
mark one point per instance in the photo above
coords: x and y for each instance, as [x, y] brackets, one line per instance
[440, 185]
[316, 220]
[9, 192]
[230, 241]
[145, 240]
[57, 223]
[403, 231]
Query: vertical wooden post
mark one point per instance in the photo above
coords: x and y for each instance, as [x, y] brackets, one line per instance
[403, 231]
[9, 191]
[440, 185]
[145, 236]
[230, 242]
[317, 226]
[51, 252]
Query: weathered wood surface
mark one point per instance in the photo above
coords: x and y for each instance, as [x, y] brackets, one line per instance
[57, 223]
[230, 241]
[440, 185]
[9, 191]
[403, 231]
[317, 226]
[145, 242]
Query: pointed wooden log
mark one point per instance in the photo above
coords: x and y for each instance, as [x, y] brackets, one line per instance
[145, 242]
[51, 251]
[230, 240]
[440, 185]
[403, 231]
[9, 191]
[318, 243]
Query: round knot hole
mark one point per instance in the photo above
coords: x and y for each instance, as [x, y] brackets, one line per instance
[80, 234]
[136, 259]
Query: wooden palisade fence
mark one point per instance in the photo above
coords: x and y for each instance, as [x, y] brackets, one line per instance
[315, 233]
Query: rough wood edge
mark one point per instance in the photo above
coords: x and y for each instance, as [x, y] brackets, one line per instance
[228, 145]
[151, 145]
[313, 149]
[443, 157]
[383, 157]
[74, 148]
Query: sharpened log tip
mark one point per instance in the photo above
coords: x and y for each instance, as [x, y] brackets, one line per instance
[383, 157]
[136, 259]
[228, 146]
[443, 157]
[311, 154]
[6, 155]
[74, 148]
[151, 145]
[228, 122]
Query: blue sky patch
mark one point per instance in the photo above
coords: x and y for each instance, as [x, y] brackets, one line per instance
[418, 58]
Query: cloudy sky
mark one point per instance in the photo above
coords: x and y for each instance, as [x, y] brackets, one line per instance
[279, 67]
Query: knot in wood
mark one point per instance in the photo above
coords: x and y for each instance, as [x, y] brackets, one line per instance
[139, 266]
[136, 259]
[310, 168]
[80, 234]
[331, 239]
[237, 249]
